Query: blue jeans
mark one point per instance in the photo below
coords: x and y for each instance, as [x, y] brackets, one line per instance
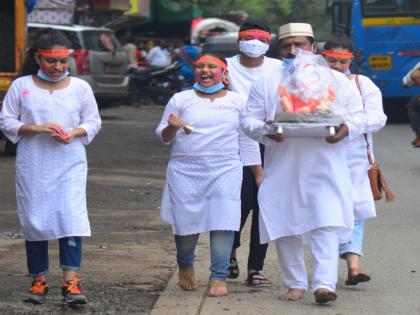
[355, 244]
[70, 249]
[220, 248]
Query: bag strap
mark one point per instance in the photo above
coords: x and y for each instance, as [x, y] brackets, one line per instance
[365, 134]
[184, 55]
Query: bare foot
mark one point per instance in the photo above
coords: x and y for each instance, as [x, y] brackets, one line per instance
[187, 279]
[323, 296]
[292, 295]
[217, 288]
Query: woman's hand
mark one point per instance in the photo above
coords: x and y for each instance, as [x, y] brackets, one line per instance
[67, 137]
[341, 133]
[50, 128]
[169, 132]
[57, 132]
[175, 122]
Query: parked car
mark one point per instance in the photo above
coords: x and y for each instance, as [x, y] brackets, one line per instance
[97, 58]
[226, 45]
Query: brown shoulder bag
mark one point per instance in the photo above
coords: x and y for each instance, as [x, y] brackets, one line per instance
[377, 180]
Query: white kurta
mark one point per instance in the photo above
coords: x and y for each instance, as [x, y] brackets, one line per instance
[364, 205]
[241, 79]
[50, 176]
[204, 175]
[306, 181]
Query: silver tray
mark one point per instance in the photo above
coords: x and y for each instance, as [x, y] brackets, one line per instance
[304, 125]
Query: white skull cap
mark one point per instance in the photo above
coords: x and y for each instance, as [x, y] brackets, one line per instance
[295, 29]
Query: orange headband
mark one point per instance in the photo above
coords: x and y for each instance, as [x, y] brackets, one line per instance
[211, 59]
[255, 33]
[337, 54]
[54, 52]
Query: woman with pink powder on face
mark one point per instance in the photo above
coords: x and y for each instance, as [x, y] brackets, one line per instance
[51, 116]
[204, 174]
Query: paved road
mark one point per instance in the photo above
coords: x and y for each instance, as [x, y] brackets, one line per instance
[392, 256]
[130, 257]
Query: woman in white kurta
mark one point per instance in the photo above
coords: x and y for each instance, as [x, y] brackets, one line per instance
[204, 175]
[338, 52]
[51, 116]
[306, 188]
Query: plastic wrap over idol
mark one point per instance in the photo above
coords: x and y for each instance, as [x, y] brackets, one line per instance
[307, 85]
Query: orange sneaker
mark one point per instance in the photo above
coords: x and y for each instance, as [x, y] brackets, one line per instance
[72, 293]
[37, 293]
[416, 143]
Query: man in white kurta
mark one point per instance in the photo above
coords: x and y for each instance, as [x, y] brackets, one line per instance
[306, 188]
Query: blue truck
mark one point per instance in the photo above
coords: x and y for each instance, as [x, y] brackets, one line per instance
[386, 34]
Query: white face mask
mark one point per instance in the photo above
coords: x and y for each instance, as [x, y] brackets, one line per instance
[253, 48]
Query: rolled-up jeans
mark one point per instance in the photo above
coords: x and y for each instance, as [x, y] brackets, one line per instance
[355, 244]
[70, 249]
[220, 248]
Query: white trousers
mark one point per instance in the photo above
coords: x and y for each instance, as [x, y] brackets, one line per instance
[324, 249]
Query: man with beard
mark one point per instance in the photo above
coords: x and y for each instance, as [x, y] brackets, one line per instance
[306, 189]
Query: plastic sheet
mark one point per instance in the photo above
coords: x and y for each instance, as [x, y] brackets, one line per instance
[305, 94]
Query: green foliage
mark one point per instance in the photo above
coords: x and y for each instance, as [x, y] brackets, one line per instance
[273, 12]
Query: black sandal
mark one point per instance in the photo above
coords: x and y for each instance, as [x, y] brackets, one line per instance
[356, 279]
[257, 280]
[233, 269]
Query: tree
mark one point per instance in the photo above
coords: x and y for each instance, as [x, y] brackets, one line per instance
[274, 12]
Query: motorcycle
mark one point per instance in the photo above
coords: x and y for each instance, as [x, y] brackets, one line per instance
[155, 85]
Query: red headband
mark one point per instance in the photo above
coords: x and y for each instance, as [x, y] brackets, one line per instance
[211, 59]
[338, 54]
[255, 33]
[54, 52]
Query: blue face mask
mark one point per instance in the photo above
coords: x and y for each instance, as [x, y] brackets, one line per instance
[287, 61]
[347, 72]
[208, 90]
[44, 77]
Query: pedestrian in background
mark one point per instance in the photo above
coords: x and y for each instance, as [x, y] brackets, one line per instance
[131, 51]
[52, 116]
[338, 52]
[412, 78]
[244, 69]
[187, 54]
[141, 54]
[204, 174]
[306, 191]
[158, 56]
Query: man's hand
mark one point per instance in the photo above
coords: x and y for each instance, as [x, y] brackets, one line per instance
[278, 137]
[258, 173]
[340, 134]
